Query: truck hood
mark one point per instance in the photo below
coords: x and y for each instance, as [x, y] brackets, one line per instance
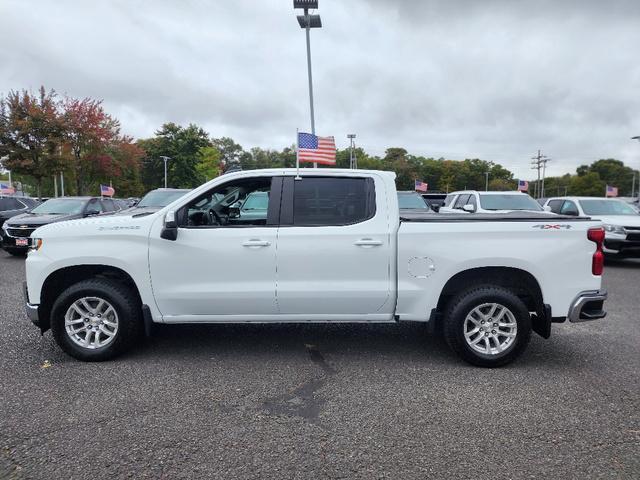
[621, 220]
[92, 226]
[35, 219]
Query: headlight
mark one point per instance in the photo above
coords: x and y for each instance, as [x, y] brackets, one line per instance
[614, 229]
[36, 244]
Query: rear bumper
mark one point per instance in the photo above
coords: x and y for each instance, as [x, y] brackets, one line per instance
[32, 310]
[588, 306]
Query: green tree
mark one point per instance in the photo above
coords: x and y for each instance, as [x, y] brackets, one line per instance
[182, 145]
[588, 184]
[208, 166]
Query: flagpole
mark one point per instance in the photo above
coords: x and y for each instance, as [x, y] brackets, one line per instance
[297, 154]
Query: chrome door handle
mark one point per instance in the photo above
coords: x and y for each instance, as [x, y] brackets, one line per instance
[256, 243]
[368, 242]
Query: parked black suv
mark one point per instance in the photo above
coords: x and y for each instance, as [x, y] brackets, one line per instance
[16, 230]
[11, 205]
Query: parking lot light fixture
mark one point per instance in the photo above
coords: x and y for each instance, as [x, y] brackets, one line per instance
[308, 22]
[166, 159]
[637, 137]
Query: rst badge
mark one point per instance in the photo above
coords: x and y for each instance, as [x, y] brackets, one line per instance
[552, 226]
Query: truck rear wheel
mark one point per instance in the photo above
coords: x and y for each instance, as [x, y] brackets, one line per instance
[95, 320]
[488, 326]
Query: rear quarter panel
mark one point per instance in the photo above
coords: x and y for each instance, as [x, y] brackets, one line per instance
[431, 253]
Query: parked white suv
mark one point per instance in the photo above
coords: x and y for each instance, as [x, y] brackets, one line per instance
[621, 221]
[472, 201]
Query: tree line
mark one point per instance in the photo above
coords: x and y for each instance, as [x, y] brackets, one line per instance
[43, 135]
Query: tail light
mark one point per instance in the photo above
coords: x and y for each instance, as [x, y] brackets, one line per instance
[597, 263]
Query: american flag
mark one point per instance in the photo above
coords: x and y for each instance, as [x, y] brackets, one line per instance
[6, 189]
[312, 148]
[523, 186]
[421, 186]
[612, 191]
[106, 190]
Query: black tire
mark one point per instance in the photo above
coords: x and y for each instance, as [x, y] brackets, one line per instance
[16, 252]
[124, 302]
[462, 304]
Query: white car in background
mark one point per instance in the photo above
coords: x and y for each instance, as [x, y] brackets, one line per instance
[620, 220]
[472, 201]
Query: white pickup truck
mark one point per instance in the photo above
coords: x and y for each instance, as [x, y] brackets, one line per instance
[331, 246]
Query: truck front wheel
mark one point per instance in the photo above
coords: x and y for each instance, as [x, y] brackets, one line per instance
[488, 326]
[95, 320]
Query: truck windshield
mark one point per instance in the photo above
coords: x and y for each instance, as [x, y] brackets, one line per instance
[411, 200]
[60, 206]
[513, 201]
[160, 198]
[606, 207]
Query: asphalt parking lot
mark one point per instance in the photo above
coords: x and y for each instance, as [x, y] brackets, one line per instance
[320, 401]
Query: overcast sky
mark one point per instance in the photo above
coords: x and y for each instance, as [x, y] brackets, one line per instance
[459, 79]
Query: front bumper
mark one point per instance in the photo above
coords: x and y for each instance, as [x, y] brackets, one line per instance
[588, 306]
[622, 245]
[32, 310]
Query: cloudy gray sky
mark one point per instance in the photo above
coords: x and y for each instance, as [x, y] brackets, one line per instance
[494, 79]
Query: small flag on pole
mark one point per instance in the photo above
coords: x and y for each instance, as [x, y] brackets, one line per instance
[107, 191]
[523, 186]
[421, 186]
[6, 189]
[611, 191]
[312, 148]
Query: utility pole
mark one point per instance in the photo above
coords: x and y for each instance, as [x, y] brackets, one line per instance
[62, 184]
[540, 163]
[55, 187]
[486, 181]
[353, 162]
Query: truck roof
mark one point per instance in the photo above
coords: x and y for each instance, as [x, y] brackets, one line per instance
[491, 192]
[310, 171]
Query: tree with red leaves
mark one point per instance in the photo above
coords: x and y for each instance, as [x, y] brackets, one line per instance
[31, 133]
[89, 134]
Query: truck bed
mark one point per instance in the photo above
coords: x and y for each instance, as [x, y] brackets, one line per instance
[416, 216]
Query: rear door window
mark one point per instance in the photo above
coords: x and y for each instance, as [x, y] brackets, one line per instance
[331, 201]
[108, 205]
[462, 201]
[448, 200]
[569, 208]
[555, 205]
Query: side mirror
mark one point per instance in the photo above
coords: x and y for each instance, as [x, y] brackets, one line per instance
[573, 213]
[91, 212]
[469, 208]
[547, 208]
[170, 227]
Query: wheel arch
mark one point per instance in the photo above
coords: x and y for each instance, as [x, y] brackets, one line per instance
[59, 280]
[522, 283]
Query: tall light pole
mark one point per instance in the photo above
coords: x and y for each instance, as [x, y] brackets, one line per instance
[308, 22]
[166, 159]
[637, 137]
[353, 163]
